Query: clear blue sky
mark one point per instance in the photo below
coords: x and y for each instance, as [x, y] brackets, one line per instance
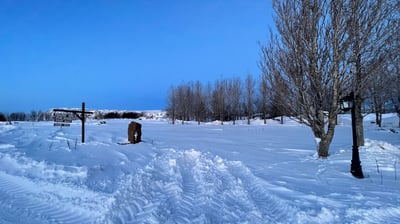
[122, 54]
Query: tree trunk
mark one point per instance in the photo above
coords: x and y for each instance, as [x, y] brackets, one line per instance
[322, 141]
[323, 149]
[378, 118]
[326, 139]
[398, 115]
[359, 119]
[173, 117]
[398, 110]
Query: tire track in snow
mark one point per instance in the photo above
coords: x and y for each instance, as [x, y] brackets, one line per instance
[282, 210]
[194, 187]
[19, 165]
[25, 201]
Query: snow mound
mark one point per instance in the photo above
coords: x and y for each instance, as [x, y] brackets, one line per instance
[194, 187]
[22, 166]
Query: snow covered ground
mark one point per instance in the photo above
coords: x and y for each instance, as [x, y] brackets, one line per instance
[196, 174]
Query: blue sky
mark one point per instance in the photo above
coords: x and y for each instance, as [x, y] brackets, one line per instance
[122, 54]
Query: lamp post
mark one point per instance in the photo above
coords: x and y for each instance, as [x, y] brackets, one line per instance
[347, 103]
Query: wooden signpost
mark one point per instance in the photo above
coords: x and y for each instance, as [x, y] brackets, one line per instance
[65, 117]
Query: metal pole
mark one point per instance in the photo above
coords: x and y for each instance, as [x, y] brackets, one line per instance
[83, 122]
[355, 169]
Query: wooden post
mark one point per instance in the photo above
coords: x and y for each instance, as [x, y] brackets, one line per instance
[83, 122]
[80, 114]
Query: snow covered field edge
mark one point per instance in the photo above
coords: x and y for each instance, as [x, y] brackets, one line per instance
[195, 174]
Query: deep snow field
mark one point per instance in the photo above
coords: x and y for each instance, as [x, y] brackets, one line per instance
[196, 174]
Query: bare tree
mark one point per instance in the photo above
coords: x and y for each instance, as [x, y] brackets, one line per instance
[218, 100]
[369, 34]
[172, 104]
[380, 88]
[395, 71]
[308, 59]
[17, 116]
[249, 96]
[264, 97]
[208, 93]
[394, 65]
[279, 89]
[234, 95]
[318, 45]
[2, 117]
[33, 116]
[396, 90]
[182, 101]
[198, 102]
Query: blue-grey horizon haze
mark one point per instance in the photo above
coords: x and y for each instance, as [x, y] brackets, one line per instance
[122, 54]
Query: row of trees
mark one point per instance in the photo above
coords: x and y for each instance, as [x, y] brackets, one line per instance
[49, 115]
[323, 50]
[117, 115]
[22, 116]
[227, 99]
[3, 117]
[319, 52]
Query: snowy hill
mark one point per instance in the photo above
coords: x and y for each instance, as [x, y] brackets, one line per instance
[195, 174]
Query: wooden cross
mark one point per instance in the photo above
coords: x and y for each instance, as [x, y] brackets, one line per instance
[80, 114]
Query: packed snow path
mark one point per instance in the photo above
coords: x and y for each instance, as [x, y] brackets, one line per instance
[193, 174]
